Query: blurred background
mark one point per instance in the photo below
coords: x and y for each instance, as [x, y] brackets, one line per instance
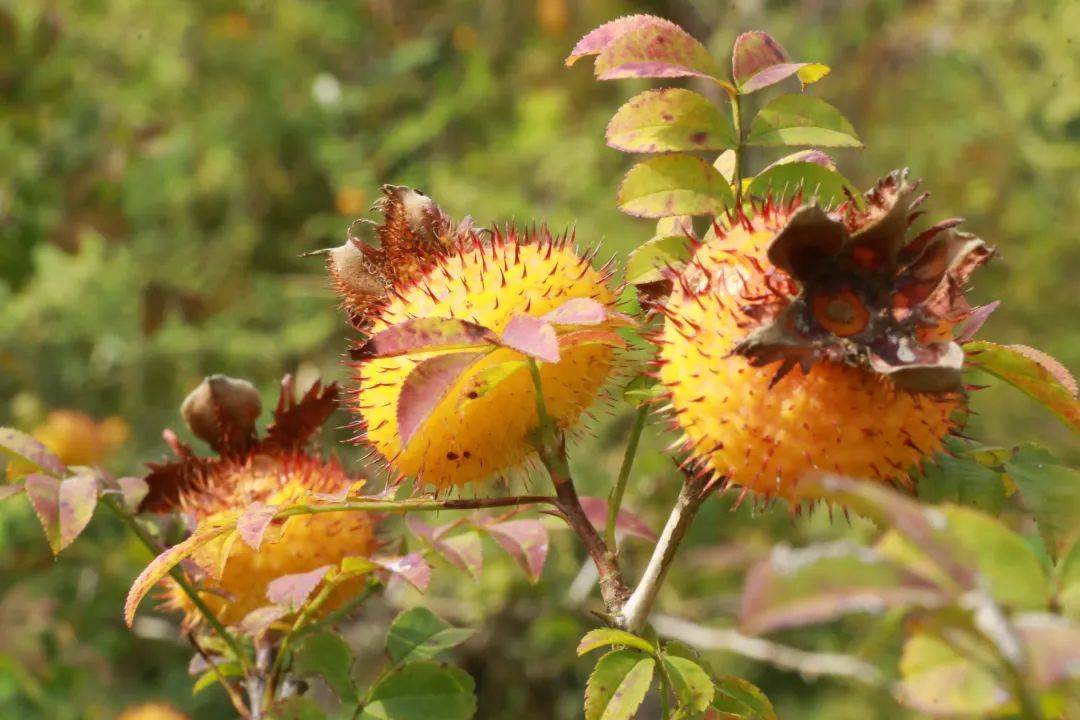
[165, 164]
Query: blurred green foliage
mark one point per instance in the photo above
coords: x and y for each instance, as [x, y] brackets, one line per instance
[166, 163]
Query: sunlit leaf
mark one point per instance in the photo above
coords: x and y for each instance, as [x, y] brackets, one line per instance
[738, 699]
[19, 445]
[532, 337]
[801, 120]
[577, 311]
[791, 588]
[160, 566]
[252, 524]
[424, 335]
[524, 540]
[655, 50]
[422, 690]
[1041, 380]
[691, 685]
[617, 685]
[293, 590]
[936, 679]
[674, 185]
[327, 655]
[601, 37]
[813, 179]
[647, 261]
[426, 387]
[758, 61]
[419, 634]
[603, 637]
[64, 507]
[669, 120]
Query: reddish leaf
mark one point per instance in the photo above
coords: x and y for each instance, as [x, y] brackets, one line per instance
[292, 591]
[7, 491]
[20, 445]
[251, 527]
[1032, 371]
[655, 51]
[412, 568]
[592, 336]
[463, 551]
[424, 335]
[64, 507]
[974, 322]
[597, 508]
[526, 541]
[425, 387]
[577, 311]
[296, 422]
[258, 621]
[160, 566]
[759, 61]
[531, 336]
[595, 41]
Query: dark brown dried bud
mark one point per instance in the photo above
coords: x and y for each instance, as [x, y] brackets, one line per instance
[222, 411]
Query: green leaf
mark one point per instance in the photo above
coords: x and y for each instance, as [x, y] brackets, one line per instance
[936, 679]
[210, 677]
[784, 179]
[1067, 575]
[602, 637]
[801, 120]
[962, 481]
[1012, 571]
[641, 390]
[674, 185]
[792, 588]
[419, 634]
[1051, 491]
[667, 120]
[423, 690]
[648, 259]
[692, 686]
[326, 654]
[1043, 379]
[617, 685]
[738, 699]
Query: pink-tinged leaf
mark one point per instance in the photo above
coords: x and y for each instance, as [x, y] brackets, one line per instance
[63, 507]
[424, 335]
[577, 311]
[655, 51]
[160, 566]
[251, 527]
[1032, 371]
[412, 568]
[425, 387]
[133, 490]
[816, 157]
[596, 510]
[807, 586]
[753, 52]
[531, 336]
[463, 551]
[1053, 646]
[595, 41]
[526, 541]
[339, 495]
[7, 491]
[974, 321]
[20, 445]
[592, 336]
[258, 621]
[292, 591]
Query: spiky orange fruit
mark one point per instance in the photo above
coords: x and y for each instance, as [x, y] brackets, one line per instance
[152, 711]
[274, 470]
[482, 425]
[798, 340]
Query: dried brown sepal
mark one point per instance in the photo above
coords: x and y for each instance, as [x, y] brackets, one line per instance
[868, 297]
[296, 422]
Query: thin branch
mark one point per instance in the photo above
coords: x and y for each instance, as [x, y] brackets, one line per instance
[636, 610]
[616, 496]
[234, 696]
[809, 665]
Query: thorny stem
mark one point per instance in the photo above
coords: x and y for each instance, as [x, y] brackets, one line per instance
[636, 610]
[178, 576]
[616, 496]
[736, 121]
[417, 505]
